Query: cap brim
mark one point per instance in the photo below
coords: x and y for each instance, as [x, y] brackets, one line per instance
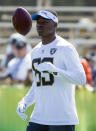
[20, 47]
[35, 16]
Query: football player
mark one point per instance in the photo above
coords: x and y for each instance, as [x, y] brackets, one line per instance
[56, 70]
[10, 48]
[20, 67]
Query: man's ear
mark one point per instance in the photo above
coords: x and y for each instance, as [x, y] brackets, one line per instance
[55, 25]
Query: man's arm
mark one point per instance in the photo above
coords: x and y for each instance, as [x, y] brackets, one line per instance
[30, 96]
[74, 72]
[5, 79]
[8, 80]
[25, 102]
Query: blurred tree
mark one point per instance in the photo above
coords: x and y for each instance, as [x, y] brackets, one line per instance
[44, 2]
[90, 2]
[48, 2]
[18, 2]
[74, 2]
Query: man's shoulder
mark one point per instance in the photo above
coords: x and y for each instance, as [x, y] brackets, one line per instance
[13, 61]
[35, 49]
[63, 43]
[28, 56]
[38, 46]
[27, 60]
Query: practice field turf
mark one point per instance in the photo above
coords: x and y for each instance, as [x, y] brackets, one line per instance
[10, 121]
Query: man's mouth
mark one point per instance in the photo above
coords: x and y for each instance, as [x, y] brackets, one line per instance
[39, 30]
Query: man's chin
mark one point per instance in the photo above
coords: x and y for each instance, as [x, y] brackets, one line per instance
[41, 35]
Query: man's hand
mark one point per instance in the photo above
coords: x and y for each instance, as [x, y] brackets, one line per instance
[46, 66]
[21, 111]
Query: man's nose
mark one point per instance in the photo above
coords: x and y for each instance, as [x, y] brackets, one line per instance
[40, 25]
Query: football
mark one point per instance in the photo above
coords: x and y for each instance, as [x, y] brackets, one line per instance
[22, 20]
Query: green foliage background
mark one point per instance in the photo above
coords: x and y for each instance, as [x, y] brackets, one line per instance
[10, 121]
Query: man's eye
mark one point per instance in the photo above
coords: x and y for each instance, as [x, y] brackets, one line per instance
[47, 21]
[40, 21]
[43, 21]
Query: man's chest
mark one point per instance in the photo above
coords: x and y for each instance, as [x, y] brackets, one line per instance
[46, 55]
[51, 55]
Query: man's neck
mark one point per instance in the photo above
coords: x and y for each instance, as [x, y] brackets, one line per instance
[22, 56]
[48, 39]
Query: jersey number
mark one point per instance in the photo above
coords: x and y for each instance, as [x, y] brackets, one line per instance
[42, 80]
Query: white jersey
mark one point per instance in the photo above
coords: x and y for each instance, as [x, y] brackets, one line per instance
[55, 96]
[19, 67]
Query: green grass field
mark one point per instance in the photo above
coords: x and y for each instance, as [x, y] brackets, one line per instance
[10, 121]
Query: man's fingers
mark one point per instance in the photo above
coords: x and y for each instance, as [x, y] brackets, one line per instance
[23, 116]
[20, 111]
[42, 67]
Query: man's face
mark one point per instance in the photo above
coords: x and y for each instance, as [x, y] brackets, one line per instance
[14, 50]
[20, 53]
[45, 26]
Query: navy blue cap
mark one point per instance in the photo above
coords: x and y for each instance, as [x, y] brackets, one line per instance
[20, 45]
[35, 16]
[45, 14]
